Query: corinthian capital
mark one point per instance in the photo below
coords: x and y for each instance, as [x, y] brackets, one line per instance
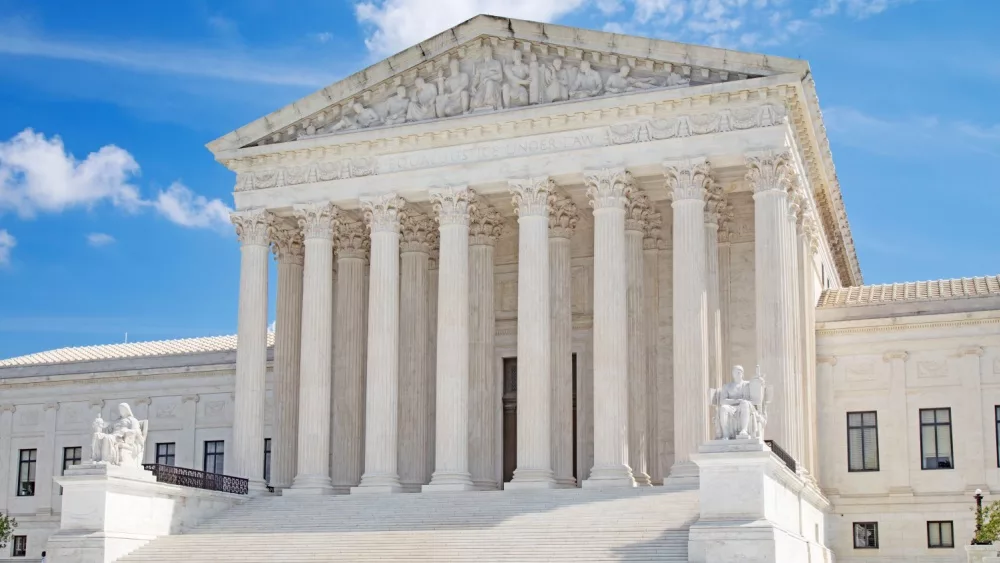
[769, 171]
[608, 187]
[351, 240]
[653, 231]
[687, 180]
[637, 210]
[418, 229]
[317, 220]
[714, 203]
[563, 217]
[451, 204]
[485, 223]
[531, 195]
[382, 212]
[252, 226]
[287, 243]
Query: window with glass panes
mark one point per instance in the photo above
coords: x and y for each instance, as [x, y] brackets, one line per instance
[165, 453]
[214, 456]
[71, 456]
[19, 547]
[940, 534]
[935, 439]
[267, 460]
[866, 535]
[862, 441]
[26, 473]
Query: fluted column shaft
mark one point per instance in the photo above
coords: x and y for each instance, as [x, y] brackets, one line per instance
[349, 365]
[687, 182]
[432, 330]
[485, 224]
[795, 323]
[289, 250]
[607, 190]
[651, 306]
[451, 470]
[414, 373]
[716, 370]
[313, 472]
[808, 240]
[381, 395]
[769, 175]
[665, 358]
[562, 222]
[636, 213]
[534, 386]
[251, 353]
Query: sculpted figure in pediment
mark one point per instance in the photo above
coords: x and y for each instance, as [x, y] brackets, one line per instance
[588, 83]
[486, 85]
[421, 105]
[518, 82]
[363, 117]
[621, 82]
[556, 80]
[675, 79]
[453, 97]
[396, 107]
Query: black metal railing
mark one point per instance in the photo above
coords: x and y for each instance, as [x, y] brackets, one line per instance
[782, 454]
[198, 479]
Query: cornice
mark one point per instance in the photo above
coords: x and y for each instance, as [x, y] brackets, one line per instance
[873, 329]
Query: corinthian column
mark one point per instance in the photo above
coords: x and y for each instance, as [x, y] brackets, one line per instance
[687, 182]
[797, 447]
[252, 228]
[414, 372]
[485, 226]
[289, 251]
[451, 470]
[349, 363]
[563, 218]
[712, 207]
[769, 175]
[636, 214]
[534, 434]
[651, 306]
[382, 391]
[317, 222]
[608, 190]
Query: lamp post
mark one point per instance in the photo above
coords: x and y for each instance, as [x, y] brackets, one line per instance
[979, 517]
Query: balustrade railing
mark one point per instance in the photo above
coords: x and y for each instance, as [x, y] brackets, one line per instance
[185, 477]
[782, 454]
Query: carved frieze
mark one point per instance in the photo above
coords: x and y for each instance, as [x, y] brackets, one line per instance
[766, 115]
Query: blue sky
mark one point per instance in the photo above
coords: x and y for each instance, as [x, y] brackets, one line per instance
[113, 214]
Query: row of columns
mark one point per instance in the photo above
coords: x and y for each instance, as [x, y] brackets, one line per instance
[378, 454]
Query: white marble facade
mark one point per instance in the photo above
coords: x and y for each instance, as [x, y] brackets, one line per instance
[648, 212]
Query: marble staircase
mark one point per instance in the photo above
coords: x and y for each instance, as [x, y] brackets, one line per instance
[648, 524]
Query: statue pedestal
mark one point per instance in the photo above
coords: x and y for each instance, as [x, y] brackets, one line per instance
[983, 553]
[108, 511]
[754, 508]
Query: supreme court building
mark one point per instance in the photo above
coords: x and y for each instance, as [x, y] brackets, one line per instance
[519, 256]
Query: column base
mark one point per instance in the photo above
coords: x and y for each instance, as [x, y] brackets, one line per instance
[257, 487]
[683, 473]
[525, 478]
[608, 477]
[565, 482]
[378, 484]
[449, 481]
[310, 485]
[642, 480]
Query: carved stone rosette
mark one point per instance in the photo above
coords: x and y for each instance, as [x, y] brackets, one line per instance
[769, 171]
[563, 217]
[637, 209]
[531, 195]
[317, 220]
[252, 226]
[485, 223]
[608, 187]
[382, 212]
[451, 204]
[687, 179]
[418, 230]
[352, 240]
[287, 243]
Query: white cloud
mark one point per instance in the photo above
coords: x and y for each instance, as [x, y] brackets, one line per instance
[394, 25]
[182, 206]
[7, 242]
[270, 327]
[99, 239]
[856, 8]
[38, 175]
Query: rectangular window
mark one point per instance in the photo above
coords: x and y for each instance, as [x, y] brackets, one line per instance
[940, 534]
[267, 460]
[214, 456]
[866, 535]
[20, 546]
[935, 439]
[862, 441]
[71, 456]
[165, 453]
[26, 473]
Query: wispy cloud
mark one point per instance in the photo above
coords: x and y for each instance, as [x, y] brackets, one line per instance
[7, 243]
[99, 239]
[856, 8]
[322, 37]
[910, 136]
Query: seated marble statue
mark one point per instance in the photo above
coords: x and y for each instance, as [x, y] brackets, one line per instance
[121, 443]
[740, 407]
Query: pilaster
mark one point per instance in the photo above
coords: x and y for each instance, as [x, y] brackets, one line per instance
[974, 442]
[897, 460]
[608, 190]
[289, 251]
[47, 454]
[637, 211]
[7, 468]
[187, 450]
[563, 218]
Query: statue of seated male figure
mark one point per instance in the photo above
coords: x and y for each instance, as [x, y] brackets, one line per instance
[739, 413]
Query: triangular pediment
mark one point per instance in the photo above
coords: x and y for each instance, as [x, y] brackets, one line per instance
[490, 64]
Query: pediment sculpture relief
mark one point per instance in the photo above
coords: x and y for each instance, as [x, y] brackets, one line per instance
[490, 81]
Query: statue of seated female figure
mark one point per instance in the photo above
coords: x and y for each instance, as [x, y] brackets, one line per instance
[121, 443]
[740, 407]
